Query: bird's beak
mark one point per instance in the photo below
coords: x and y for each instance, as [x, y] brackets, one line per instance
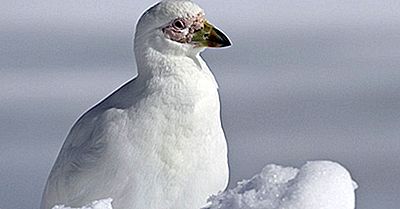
[210, 36]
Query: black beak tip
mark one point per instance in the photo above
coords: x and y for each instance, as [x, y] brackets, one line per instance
[223, 41]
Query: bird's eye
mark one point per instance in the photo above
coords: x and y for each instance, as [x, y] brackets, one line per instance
[179, 24]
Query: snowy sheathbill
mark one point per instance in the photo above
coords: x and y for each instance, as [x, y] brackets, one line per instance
[157, 141]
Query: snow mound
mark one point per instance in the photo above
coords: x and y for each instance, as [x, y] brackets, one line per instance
[98, 204]
[316, 185]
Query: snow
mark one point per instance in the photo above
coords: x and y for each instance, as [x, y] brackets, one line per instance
[316, 185]
[98, 204]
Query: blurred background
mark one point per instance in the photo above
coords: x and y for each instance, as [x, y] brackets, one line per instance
[304, 80]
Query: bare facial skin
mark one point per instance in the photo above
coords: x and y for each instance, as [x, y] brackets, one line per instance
[182, 29]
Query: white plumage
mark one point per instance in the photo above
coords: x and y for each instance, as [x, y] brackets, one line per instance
[157, 141]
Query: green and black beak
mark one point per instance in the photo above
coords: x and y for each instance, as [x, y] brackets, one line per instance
[210, 36]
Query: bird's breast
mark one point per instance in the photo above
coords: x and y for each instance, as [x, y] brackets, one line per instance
[178, 120]
[175, 135]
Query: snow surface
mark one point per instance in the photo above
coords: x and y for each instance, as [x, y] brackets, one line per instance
[316, 185]
[98, 204]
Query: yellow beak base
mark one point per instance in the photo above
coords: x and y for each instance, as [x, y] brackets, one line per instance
[210, 36]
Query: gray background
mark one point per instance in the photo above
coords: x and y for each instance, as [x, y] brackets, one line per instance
[304, 80]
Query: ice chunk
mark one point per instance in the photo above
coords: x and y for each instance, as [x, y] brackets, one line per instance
[98, 204]
[317, 185]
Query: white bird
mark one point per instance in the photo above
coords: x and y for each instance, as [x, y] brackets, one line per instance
[157, 141]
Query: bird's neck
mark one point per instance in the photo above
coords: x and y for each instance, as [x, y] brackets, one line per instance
[152, 63]
[185, 78]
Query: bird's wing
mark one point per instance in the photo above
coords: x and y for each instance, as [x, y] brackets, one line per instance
[82, 147]
[85, 142]
[81, 150]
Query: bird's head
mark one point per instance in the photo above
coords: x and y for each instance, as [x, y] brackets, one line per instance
[177, 27]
